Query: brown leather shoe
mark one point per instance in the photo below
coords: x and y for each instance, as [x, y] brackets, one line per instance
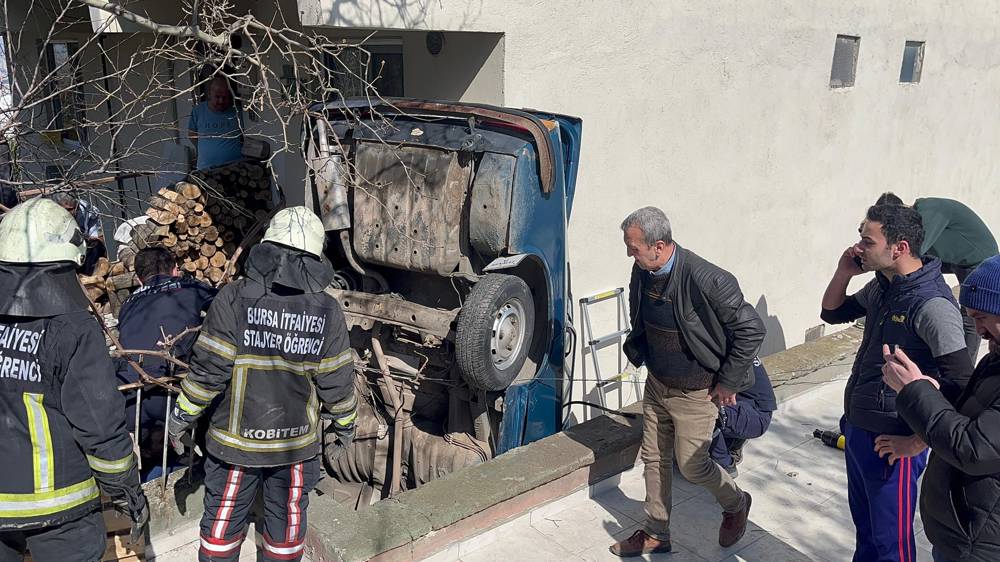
[638, 544]
[734, 525]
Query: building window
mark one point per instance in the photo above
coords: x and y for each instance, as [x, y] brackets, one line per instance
[845, 61]
[66, 107]
[913, 62]
[379, 65]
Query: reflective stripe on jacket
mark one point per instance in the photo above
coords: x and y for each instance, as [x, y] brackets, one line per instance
[267, 362]
[63, 419]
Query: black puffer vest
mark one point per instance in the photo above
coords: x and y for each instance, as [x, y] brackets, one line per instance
[869, 403]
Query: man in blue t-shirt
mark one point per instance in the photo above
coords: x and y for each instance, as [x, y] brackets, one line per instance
[215, 127]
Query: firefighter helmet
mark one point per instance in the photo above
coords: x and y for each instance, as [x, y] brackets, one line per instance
[40, 231]
[299, 228]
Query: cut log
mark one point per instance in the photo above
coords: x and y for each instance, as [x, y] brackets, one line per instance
[118, 267]
[189, 190]
[95, 293]
[189, 266]
[210, 233]
[160, 216]
[102, 267]
[208, 250]
[92, 280]
[219, 259]
[123, 281]
[168, 194]
[170, 240]
[215, 274]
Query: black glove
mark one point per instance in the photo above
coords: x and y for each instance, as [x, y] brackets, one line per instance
[127, 497]
[136, 508]
[180, 422]
[345, 436]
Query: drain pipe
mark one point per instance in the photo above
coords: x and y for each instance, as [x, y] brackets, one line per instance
[395, 396]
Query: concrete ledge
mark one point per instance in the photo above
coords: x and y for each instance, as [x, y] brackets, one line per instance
[177, 506]
[423, 521]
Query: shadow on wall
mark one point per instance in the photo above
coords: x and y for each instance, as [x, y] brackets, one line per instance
[467, 66]
[774, 341]
[408, 14]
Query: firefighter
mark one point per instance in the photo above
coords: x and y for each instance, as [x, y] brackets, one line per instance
[64, 435]
[273, 351]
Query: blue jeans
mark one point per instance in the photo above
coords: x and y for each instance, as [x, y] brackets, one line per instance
[882, 497]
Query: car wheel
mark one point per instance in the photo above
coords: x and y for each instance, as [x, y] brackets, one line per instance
[494, 331]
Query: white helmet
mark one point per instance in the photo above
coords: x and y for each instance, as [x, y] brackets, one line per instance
[299, 228]
[40, 231]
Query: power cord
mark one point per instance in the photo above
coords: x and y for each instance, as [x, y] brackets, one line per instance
[599, 407]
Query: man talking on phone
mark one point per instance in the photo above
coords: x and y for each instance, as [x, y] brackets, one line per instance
[908, 306]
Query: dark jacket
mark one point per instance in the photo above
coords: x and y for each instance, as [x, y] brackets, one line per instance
[274, 348]
[64, 438]
[960, 493]
[165, 305]
[721, 329]
[889, 319]
[954, 233]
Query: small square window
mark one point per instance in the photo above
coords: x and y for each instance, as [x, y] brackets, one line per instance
[845, 61]
[913, 62]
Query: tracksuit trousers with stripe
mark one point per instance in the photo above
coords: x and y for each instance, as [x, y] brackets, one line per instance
[882, 497]
[229, 497]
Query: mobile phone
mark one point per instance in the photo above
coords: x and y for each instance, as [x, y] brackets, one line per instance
[857, 262]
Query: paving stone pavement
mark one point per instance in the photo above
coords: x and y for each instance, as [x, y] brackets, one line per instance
[799, 509]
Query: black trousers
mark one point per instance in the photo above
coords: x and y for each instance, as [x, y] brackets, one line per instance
[230, 492]
[80, 540]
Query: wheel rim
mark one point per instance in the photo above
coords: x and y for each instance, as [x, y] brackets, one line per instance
[508, 334]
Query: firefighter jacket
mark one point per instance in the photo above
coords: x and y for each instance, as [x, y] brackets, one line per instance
[62, 417]
[272, 350]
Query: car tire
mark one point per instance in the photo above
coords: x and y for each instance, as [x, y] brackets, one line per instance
[494, 332]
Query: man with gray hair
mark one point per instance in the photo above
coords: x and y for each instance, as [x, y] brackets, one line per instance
[698, 338]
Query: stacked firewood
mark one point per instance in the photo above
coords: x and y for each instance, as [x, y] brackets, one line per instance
[201, 235]
[244, 182]
[202, 221]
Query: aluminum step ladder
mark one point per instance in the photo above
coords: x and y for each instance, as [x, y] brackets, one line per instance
[617, 338]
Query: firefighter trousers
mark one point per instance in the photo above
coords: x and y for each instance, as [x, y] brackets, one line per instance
[230, 492]
[80, 540]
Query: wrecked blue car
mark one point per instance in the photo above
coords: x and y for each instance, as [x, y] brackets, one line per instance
[447, 227]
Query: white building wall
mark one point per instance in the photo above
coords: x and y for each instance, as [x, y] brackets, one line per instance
[721, 113]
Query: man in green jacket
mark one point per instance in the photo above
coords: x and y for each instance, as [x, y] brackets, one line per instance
[956, 235]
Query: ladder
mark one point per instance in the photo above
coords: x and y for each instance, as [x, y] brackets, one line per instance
[617, 338]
